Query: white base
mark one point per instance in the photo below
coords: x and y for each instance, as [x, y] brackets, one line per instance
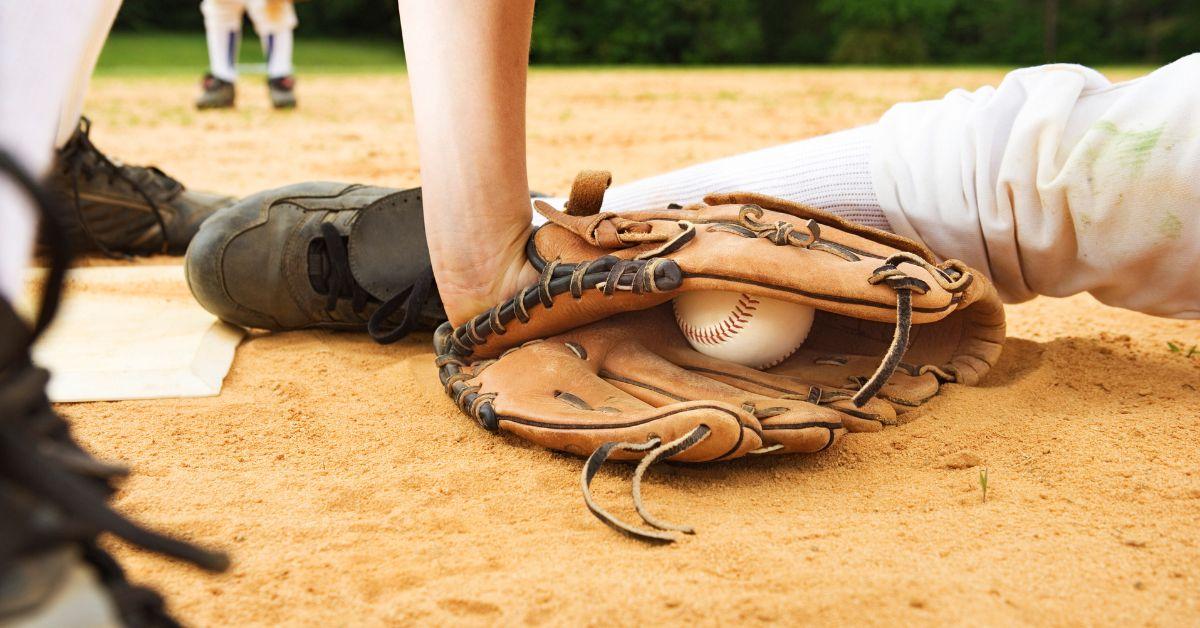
[133, 333]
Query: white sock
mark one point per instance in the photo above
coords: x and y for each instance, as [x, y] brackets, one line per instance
[830, 172]
[223, 32]
[277, 47]
[223, 52]
[274, 21]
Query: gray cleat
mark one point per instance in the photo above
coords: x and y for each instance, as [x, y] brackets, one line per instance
[53, 494]
[318, 255]
[215, 93]
[283, 92]
[116, 209]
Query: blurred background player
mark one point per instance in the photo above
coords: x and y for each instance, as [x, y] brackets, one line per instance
[274, 21]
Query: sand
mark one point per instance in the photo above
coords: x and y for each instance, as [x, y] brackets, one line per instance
[350, 490]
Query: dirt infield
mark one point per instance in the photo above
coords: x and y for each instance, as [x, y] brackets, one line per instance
[350, 490]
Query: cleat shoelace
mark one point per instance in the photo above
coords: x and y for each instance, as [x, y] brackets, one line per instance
[330, 275]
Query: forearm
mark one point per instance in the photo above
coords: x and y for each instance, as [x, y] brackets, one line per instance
[467, 66]
[1057, 182]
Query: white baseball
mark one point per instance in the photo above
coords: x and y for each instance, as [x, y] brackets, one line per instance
[754, 331]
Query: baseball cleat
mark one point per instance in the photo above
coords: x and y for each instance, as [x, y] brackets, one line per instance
[282, 91]
[318, 255]
[216, 93]
[53, 494]
[112, 208]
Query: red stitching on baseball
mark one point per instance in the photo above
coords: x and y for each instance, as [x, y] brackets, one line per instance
[724, 329]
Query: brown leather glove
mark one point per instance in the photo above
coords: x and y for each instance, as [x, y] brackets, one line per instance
[590, 361]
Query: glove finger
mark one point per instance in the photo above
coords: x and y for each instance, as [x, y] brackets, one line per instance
[658, 332]
[788, 424]
[870, 418]
[907, 388]
[549, 393]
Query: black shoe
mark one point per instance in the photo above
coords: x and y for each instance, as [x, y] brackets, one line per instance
[53, 494]
[318, 255]
[120, 210]
[215, 93]
[282, 91]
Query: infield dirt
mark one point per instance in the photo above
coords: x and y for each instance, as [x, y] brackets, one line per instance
[350, 490]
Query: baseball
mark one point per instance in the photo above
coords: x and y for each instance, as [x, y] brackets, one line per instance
[754, 331]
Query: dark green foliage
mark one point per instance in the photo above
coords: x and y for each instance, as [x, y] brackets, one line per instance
[664, 31]
[789, 31]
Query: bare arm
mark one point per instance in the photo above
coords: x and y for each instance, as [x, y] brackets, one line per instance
[467, 66]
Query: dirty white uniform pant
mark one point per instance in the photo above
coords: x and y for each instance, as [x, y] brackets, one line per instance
[274, 21]
[1057, 182]
[48, 50]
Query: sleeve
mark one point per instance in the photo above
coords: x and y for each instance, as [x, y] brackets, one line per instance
[1057, 182]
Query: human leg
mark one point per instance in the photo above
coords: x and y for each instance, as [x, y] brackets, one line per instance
[52, 493]
[45, 46]
[223, 32]
[830, 172]
[275, 21]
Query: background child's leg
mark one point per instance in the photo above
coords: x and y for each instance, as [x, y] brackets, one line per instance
[274, 21]
[223, 30]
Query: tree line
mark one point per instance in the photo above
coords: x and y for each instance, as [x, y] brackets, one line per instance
[790, 31]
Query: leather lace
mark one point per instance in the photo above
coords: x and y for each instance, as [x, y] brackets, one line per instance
[656, 451]
[332, 276]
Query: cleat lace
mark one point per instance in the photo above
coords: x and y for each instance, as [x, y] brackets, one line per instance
[330, 275]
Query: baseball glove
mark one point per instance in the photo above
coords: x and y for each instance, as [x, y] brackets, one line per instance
[589, 360]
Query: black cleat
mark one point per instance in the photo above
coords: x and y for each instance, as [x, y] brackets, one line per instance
[283, 92]
[215, 93]
[119, 210]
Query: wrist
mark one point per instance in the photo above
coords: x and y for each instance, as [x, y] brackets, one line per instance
[471, 280]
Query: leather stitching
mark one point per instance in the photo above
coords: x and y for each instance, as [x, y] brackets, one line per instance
[726, 328]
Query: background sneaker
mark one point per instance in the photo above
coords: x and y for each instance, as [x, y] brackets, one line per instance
[282, 91]
[215, 93]
[116, 209]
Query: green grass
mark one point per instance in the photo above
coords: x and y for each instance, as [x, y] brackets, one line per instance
[186, 53]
